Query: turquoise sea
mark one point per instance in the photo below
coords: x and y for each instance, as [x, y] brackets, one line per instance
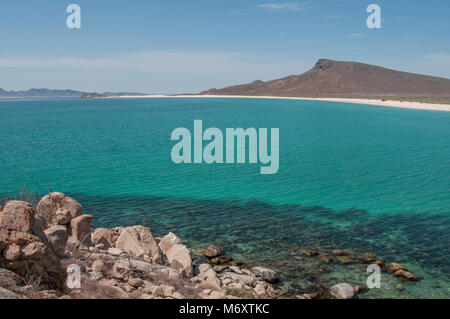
[356, 177]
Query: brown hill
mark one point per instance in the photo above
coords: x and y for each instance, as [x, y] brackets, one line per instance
[335, 78]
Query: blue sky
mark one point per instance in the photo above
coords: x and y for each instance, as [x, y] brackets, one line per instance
[187, 46]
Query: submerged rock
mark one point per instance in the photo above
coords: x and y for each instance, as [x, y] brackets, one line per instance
[345, 260]
[406, 274]
[325, 259]
[308, 252]
[340, 252]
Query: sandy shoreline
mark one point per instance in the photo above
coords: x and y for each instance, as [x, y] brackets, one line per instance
[387, 103]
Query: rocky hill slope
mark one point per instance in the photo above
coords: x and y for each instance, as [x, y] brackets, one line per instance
[330, 78]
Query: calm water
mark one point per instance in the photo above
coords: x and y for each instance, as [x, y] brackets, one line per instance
[364, 178]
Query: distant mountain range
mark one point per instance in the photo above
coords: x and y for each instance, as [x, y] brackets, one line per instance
[58, 93]
[330, 78]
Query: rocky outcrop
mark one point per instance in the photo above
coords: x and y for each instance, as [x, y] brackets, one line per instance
[54, 205]
[24, 253]
[128, 262]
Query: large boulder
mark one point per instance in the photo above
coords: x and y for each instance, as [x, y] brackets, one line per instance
[57, 237]
[80, 230]
[17, 215]
[269, 275]
[179, 257]
[104, 236]
[208, 280]
[168, 242]
[138, 241]
[50, 204]
[342, 291]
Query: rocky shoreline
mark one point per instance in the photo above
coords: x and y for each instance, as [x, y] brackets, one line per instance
[47, 249]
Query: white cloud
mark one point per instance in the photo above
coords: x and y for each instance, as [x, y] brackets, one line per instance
[290, 6]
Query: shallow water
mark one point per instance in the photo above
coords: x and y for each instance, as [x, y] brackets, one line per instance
[362, 178]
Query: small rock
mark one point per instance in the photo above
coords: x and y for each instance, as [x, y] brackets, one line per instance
[62, 216]
[115, 251]
[12, 252]
[359, 289]
[342, 291]
[394, 267]
[379, 263]
[121, 270]
[213, 251]
[260, 290]
[221, 260]
[203, 267]
[207, 291]
[135, 282]
[98, 267]
[267, 274]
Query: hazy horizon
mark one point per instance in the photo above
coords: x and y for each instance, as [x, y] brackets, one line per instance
[178, 47]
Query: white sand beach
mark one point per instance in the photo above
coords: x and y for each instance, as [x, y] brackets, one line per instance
[386, 103]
